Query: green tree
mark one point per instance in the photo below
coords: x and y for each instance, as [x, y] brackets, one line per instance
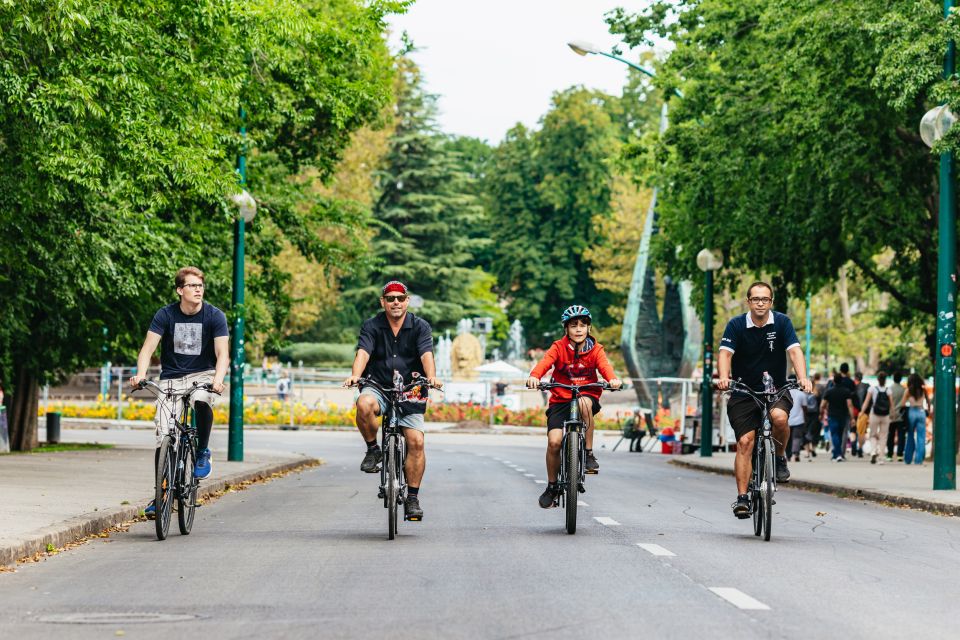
[545, 188]
[118, 124]
[794, 149]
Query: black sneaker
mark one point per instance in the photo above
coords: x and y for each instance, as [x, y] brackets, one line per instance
[549, 497]
[371, 461]
[783, 473]
[741, 508]
[412, 510]
[591, 463]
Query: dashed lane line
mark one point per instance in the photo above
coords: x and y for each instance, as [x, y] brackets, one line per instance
[529, 475]
[604, 520]
[739, 599]
[655, 549]
[581, 503]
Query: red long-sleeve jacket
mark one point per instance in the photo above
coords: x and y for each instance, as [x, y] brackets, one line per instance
[570, 367]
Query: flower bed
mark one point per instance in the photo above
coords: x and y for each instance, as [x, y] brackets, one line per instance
[276, 412]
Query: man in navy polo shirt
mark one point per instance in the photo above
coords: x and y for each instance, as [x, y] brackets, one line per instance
[394, 340]
[755, 343]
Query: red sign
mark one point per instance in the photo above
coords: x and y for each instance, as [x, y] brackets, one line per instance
[946, 350]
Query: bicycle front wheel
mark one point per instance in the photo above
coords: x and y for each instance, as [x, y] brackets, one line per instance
[186, 489]
[767, 489]
[571, 463]
[756, 500]
[163, 496]
[393, 487]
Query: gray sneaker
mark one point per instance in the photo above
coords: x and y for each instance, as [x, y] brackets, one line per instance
[549, 497]
[591, 464]
[412, 510]
[371, 461]
[783, 473]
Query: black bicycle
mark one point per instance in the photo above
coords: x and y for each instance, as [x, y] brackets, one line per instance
[393, 485]
[573, 451]
[763, 481]
[176, 478]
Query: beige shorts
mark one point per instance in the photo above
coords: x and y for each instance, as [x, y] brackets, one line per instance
[167, 410]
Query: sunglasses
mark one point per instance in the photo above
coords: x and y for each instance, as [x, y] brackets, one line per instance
[389, 299]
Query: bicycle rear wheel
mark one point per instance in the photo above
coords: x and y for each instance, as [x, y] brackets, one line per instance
[393, 487]
[164, 490]
[186, 489]
[756, 501]
[571, 463]
[767, 489]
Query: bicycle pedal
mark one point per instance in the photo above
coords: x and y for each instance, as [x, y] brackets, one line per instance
[581, 489]
[377, 470]
[413, 518]
[592, 472]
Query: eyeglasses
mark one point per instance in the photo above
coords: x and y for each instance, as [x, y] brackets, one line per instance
[196, 286]
[394, 298]
[760, 300]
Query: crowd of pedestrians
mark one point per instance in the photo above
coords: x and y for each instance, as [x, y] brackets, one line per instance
[846, 417]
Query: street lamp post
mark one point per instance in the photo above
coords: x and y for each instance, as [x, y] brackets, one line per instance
[247, 210]
[933, 127]
[708, 261]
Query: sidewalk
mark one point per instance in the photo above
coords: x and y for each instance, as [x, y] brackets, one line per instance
[893, 482]
[57, 498]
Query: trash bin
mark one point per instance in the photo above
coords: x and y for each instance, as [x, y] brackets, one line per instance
[53, 427]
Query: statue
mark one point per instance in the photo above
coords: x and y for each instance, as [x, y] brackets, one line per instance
[443, 349]
[466, 354]
[516, 349]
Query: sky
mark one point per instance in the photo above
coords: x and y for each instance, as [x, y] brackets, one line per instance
[494, 63]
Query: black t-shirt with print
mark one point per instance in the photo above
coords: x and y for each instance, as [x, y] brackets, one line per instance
[186, 341]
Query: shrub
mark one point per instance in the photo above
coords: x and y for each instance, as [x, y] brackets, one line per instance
[319, 354]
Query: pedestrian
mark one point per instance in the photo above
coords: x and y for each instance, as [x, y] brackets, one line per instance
[811, 412]
[848, 382]
[917, 404]
[877, 406]
[797, 421]
[860, 390]
[837, 406]
[898, 425]
[283, 386]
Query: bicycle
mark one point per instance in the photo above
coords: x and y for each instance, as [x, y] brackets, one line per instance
[763, 480]
[393, 484]
[177, 460]
[573, 451]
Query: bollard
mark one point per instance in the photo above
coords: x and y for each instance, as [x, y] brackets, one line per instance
[53, 427]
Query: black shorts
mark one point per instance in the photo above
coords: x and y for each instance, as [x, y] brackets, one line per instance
[558, 413]
[745, 416]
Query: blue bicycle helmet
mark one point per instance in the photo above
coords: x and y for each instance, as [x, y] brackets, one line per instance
[575, 311]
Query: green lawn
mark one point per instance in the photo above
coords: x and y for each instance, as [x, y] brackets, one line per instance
[64, 446]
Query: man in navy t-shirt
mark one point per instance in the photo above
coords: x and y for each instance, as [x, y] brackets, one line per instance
[194, 348]
[755, 343]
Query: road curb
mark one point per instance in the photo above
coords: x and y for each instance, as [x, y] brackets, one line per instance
[886, 499]
[77, 528]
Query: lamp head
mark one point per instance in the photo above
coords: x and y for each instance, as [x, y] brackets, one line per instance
[246, 204]
[935, 124]
[582, 47]
[709, 260]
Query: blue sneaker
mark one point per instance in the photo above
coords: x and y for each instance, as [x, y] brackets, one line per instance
[203, 466]
[151, 510]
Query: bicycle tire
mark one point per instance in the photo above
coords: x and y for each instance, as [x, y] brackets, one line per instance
[571, 459]
[186, 489]
[756, 502]
[768, 488]
[164, 489]
[391, 490]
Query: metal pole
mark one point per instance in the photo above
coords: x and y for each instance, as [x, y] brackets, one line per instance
[945, 416]
[809, 331]
[706, 395]
[119, 393]
[235, 437]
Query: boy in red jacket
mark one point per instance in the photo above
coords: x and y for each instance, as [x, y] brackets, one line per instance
[576, 358]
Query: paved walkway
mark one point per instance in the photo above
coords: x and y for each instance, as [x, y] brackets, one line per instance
[56, 498]
[894, 482]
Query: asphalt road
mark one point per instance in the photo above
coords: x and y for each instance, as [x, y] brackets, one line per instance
[306, 556]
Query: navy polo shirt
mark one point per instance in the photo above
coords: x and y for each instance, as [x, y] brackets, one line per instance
[390, 352]
[758, 349]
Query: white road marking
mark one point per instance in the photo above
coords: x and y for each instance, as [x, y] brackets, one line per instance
[655, 549]
[529, 475]
[499, 459]
[581, 503]
[739, 599]
[610, 522]
[540, 481]
[521, 470]
[506, 462]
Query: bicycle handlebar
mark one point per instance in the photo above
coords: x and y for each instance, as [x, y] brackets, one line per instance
[760, 396]
[197, 386]
[417, 382]
[546, 386]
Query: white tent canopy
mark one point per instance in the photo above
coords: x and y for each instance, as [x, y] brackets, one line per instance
[500, 368]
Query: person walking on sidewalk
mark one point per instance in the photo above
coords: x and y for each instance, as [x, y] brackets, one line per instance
[862, 421]
[837, 406]
[877, 406]
[194, 348]
[394, 341]
[754, 344]
[797, 421]
[898, 428]
[917, 404]
[811, 412]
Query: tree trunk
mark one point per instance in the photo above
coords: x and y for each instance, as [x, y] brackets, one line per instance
[23, 411]
[844, 298]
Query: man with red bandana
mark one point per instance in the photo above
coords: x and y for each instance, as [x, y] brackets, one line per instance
[576, 358]
[394, 340]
